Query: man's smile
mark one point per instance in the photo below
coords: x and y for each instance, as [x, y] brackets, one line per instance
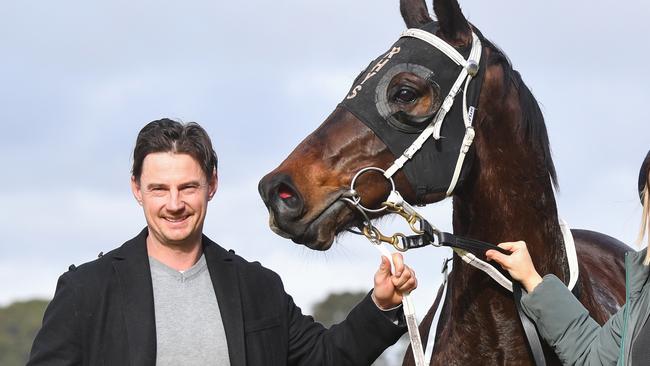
[176, 220]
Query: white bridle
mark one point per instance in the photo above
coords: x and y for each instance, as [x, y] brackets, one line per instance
[470, 68]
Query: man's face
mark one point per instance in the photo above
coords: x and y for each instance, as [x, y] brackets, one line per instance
[174, 193]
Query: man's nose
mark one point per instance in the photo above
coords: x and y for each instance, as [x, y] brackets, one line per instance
[175, 201]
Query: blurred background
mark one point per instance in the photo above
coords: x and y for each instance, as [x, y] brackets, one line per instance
[79, 79]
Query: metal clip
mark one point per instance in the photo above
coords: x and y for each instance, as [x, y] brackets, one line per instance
[411, 218]
[416, 219]
[375, 236]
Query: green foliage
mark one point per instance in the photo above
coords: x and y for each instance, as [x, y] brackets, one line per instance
[336, 307]
[19, 323]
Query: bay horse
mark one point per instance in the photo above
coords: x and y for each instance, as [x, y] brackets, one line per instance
[505, 190]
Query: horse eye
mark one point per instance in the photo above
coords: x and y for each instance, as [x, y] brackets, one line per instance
[405, 96]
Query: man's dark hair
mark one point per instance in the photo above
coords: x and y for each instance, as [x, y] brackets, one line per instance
[166, 135]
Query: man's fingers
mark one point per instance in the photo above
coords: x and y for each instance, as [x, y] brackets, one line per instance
[385, 265]
[409, 285]
[384, 268]
[407, 274]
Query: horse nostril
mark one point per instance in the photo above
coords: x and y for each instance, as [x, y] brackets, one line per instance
[285, 192]
[281, 196]
[288, 198]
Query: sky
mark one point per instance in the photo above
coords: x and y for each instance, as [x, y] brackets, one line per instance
[79, 79]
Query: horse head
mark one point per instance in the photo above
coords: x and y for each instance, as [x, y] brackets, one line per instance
[402, 93]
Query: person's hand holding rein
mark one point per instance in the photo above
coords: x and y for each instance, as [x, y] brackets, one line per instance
[518, 263]
[391, 287]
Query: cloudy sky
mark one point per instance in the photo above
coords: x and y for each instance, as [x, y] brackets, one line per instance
[78, 79]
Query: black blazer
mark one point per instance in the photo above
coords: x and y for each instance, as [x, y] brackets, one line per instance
[103, 314]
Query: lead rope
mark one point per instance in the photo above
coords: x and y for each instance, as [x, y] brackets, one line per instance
[375, 238]
[409, 314]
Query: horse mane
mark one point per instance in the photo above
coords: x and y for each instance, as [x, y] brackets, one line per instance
[532, 118]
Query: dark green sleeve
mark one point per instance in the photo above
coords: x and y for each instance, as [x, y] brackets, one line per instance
[566, 325]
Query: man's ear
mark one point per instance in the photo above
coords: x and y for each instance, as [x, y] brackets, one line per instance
[135, 188]
[213, 184]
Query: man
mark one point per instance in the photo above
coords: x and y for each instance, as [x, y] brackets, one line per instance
[171, 296]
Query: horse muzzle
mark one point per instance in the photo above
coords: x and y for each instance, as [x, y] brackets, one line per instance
[289, 217]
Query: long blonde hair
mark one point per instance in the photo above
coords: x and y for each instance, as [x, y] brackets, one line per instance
[645, 220]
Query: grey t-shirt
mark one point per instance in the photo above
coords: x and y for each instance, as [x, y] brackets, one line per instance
[189, 329]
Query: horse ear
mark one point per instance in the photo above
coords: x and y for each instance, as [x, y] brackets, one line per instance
[453, 25]
[414, 12]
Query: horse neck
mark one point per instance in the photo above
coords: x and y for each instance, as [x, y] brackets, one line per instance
[510, 197]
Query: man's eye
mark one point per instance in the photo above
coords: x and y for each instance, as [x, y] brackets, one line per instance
[158, 191]
[405, 96]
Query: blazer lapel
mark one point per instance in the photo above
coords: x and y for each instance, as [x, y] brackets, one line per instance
[223, 273]
[132, 267]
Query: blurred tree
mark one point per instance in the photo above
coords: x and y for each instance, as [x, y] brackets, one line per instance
[19, 323]
[335, 307]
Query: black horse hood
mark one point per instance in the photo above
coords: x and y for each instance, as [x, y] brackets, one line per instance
[431, 169]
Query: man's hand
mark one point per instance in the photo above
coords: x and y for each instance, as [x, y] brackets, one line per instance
[518, 263]
[389, 288]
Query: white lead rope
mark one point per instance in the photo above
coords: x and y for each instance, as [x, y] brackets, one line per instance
[409, 314]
